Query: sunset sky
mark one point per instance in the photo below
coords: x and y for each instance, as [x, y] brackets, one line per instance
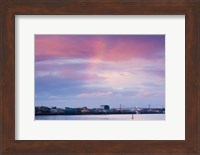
[91, 70]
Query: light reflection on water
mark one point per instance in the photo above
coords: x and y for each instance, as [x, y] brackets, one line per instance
[103, 117]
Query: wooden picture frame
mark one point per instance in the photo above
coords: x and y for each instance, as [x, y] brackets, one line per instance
[10, 8]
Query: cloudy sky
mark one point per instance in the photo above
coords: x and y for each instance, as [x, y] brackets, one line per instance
[91, 70]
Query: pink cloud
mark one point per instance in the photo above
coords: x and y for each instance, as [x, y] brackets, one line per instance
[142, 94]
[124, 50]
[106, 48]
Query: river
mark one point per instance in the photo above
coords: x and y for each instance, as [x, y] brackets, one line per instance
[103, 117]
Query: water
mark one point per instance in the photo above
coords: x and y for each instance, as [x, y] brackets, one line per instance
[103, 117]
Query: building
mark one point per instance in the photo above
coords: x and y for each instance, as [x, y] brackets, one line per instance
[60, 111]
[37, 110]
[53, 110]
[42, 110]
[70, 110]
[85, 110]
[105, 107]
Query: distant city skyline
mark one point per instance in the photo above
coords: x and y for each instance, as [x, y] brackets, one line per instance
[93, 70]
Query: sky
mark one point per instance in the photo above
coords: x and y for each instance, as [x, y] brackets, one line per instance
[93, 70]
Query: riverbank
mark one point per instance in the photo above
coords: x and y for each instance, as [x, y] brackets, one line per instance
[96, 113]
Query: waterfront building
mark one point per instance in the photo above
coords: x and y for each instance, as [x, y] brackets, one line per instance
[70, 110]
[60, 111]
[85, 110]
[105, 107]
[43, 110]
[53, 110]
